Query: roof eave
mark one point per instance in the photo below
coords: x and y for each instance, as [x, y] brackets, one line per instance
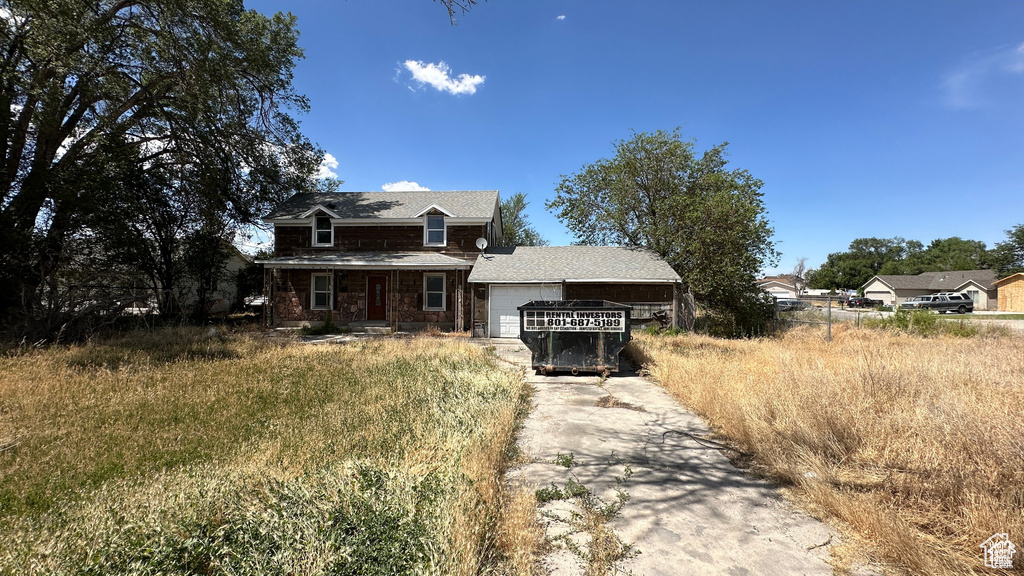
[879, 278]
[366, 265]
[467, 220]
[575, 281]
[319, 208]
[1008, 279]
[433, 207]
[975, 282]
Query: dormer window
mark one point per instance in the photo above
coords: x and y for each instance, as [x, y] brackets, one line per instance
[323, 231]
[434, 231]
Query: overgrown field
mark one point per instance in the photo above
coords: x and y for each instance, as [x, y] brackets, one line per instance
[914, 444]
[182, 452]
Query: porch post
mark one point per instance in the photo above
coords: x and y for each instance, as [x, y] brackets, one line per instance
[268, 296]
[459, 315]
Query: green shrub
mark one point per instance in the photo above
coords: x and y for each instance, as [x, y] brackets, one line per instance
[332, 522]
[328, 327]
[656, 331]
[923, 323]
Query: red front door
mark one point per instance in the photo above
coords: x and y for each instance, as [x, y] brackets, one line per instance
[376, 298]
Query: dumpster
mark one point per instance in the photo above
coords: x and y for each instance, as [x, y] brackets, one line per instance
[574, 335]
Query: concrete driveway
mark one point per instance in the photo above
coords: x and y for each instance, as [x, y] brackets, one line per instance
[689, 510]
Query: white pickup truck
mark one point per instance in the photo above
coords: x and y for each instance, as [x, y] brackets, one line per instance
[942, 302]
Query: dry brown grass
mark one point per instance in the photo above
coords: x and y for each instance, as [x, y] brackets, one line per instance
[915, 445]
[521, 537]
[189, 451]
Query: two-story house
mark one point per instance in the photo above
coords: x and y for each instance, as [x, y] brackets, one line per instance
[412, 259]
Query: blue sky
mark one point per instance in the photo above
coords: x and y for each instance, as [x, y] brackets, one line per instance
[863, 119]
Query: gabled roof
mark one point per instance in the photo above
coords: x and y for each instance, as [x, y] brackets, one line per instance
[526, 264]
[476, 204]
[949, 281]
[776, 281]
[1008, 279]
[783, 278]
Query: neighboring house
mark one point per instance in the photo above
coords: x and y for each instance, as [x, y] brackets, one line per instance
[780, 286]
[224, 297]
[1011, 293]
[895, 289]
[411, 259]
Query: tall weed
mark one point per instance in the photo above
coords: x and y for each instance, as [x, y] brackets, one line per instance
[915, 443]
[217, 454]
[924, 323]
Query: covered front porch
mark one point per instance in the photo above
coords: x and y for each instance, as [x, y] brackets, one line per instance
[401, 291]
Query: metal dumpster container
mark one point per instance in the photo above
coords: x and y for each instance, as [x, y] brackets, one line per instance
[574, 335]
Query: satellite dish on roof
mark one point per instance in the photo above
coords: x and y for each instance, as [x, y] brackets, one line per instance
[481, 243]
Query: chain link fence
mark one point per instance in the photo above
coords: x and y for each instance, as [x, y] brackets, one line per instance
[815, 310]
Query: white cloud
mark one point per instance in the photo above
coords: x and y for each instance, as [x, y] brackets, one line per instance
[560, 17]
[403, 186]
[982, 77]
[328, 166]
[1017, 59]
[439, 76]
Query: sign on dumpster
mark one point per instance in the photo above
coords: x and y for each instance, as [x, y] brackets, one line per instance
[574, 321]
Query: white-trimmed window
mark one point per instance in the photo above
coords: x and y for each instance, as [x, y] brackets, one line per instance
[323, 231]
[434, 292]
[434, 231]
[320, 292]
[973, 294]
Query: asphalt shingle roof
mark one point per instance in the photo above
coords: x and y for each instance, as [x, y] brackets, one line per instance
[939, 281]
[570, 263]
[461, 204]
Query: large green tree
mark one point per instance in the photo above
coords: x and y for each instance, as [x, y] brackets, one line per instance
[706, 220]
[101, 90]
[1008, 255]
[867, 257]
[864, 258]
[943, 254]
[516, 227]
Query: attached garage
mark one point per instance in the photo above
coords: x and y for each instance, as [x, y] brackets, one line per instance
[778, 288]
[505, 278]
[895, 289]
[505, 299]
[885, 297]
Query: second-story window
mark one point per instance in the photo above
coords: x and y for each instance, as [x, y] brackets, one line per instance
[434, 231]
[323, 231]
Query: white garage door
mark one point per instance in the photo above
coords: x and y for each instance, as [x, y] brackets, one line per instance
[505, 298]
[884, 297]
